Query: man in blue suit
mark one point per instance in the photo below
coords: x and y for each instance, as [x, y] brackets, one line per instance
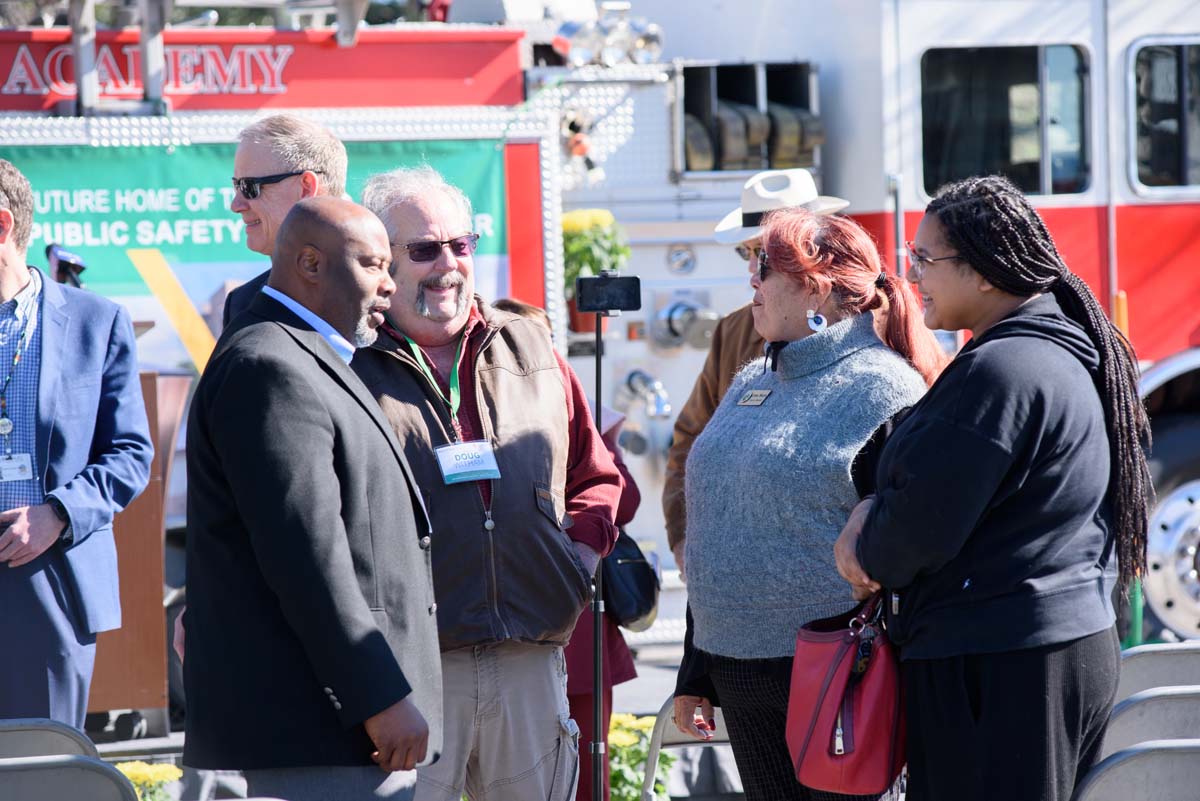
[74, 450]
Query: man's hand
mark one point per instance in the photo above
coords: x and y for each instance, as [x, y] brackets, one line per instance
[177, 638]
[677, 551]
[845, 551]
[588, 556]
[400, 734]
[694, 716]
[29, 532]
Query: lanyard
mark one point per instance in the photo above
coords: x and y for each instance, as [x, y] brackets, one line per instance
[455, 399]
[6, 423]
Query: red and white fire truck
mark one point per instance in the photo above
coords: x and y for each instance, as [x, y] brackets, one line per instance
[1091, 106]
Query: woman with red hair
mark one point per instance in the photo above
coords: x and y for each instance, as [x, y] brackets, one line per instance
[777, 470]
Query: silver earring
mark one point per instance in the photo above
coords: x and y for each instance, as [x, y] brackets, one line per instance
[815, 321]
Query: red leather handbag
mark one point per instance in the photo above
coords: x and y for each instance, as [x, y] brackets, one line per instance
[845, 722]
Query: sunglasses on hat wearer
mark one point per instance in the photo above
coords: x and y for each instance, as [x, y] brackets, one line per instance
[428, 250]
[746, 252]
[250, 188]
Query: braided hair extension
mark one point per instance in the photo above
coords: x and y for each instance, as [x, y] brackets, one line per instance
[995, 229]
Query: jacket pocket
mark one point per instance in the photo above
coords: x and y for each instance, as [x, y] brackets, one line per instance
[553, 505]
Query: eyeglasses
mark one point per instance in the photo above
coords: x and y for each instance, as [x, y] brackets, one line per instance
[428, 250]
[764, 266]
[252, 187]
[746, 252]
[919, 263]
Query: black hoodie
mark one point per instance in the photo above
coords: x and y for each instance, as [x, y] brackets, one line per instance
[990, 521]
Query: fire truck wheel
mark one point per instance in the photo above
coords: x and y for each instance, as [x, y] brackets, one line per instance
[1172, 583]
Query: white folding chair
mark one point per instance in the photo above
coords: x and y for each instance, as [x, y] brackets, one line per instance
[1163, 713]
[1164, 770]
[30, 737]
[666, 735]
[62, 778]
[1165, 665]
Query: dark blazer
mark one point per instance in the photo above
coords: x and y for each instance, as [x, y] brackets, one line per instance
[240, 297]
[93, 439]
[310, 593]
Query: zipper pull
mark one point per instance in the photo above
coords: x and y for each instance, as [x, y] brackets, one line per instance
[488, 523]
[895, 603]
[839, 745]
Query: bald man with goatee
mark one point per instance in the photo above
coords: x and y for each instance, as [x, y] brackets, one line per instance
[311, 664]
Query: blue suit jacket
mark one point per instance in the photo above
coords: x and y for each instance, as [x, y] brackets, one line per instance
[93, 439]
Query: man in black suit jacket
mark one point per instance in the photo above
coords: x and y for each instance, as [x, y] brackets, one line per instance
[311, 639]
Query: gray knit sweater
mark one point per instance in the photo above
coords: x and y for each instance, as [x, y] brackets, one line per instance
[769, 487]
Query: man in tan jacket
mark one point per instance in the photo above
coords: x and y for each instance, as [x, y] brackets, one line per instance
[734, 341]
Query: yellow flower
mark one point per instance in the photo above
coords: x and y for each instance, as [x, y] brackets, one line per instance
[622, 738]
[580, 220]
[141, 773]
[622, 720]
[575, 222]
[602, 218]
[645, 724]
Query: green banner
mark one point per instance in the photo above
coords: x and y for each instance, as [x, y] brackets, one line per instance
[121, 208]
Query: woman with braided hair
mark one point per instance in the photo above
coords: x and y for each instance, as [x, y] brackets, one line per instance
[1007, 504]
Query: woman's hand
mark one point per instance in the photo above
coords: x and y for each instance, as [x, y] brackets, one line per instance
[694, 716]
[845, 552]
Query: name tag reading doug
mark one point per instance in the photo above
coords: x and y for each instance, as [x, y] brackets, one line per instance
[467, 461]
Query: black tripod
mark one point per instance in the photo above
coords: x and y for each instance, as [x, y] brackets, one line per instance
[599, 735]
[603, 294]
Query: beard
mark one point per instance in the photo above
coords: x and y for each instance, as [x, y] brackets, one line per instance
[364, 334]
[446, 281]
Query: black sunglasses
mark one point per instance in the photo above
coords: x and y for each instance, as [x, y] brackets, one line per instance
[252, 187]
[764, 266]
[428, 250]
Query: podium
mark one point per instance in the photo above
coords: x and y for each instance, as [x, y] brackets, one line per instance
[131, 662]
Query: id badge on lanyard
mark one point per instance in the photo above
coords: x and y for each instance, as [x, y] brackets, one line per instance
[459, 461]
[467, 461]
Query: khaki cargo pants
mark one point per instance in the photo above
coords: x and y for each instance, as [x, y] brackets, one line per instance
[508, 731]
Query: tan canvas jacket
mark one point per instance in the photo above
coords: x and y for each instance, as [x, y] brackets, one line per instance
[734, 343]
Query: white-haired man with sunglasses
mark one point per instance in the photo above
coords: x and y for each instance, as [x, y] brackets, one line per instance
[521, 492]
[280, 160]
[734, 341]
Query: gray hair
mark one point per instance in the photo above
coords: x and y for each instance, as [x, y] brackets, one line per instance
[302, 145]
[406, 184]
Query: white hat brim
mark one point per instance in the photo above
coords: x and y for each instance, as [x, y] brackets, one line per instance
[730, 230]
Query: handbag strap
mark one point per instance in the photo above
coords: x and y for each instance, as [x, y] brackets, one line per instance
[871, 612]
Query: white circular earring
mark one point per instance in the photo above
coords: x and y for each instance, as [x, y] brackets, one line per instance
[816, 321]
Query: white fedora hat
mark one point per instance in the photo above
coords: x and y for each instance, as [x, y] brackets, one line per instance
[768, 191]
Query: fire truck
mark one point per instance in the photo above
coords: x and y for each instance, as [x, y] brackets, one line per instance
[1091, 106]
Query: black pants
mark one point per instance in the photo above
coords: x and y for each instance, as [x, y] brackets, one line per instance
[1019, 725]
[754, 700]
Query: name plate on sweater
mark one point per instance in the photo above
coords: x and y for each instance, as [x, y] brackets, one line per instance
[754, 397]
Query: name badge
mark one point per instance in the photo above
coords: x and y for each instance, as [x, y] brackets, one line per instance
[467, 461]
[754, 397]
[17, 467]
